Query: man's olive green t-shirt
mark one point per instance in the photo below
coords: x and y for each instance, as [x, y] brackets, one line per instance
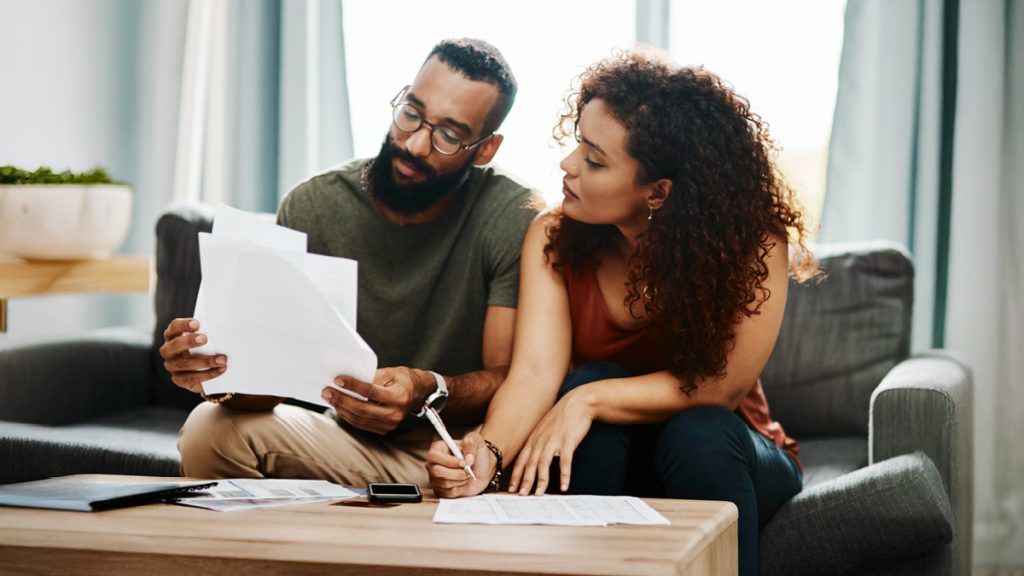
[423, 289]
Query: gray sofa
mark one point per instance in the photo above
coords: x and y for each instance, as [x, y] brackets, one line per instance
[885, 438]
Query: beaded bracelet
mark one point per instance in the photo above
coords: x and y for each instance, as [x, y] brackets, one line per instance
[496, 480]
[218, 398]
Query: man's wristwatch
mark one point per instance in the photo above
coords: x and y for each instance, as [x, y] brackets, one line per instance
[438, 398]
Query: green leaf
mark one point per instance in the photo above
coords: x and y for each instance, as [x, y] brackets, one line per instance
[44, 175]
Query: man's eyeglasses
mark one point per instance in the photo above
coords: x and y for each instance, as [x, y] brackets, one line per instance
[445, 139]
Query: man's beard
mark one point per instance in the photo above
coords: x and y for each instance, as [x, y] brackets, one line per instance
[413, 198]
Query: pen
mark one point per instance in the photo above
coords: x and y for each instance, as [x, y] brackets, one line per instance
[443, 432]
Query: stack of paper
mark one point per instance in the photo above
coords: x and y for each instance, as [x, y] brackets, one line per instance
[285, 318]
[249, 494]
[553, 509]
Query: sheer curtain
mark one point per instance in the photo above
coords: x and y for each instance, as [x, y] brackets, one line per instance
[213, 100]
[263, 102]
[984, 312]
[927, 150]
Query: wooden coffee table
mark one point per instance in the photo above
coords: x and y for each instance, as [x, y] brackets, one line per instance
[327, 538]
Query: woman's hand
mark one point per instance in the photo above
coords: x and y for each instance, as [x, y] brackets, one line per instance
[558, 434]
[448, 477]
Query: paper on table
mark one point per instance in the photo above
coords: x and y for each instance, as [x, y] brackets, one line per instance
[269, 488]
[552, 510]
[283, 336]
[250, 494]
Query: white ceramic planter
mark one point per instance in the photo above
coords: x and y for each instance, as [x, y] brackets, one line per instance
[63, 221]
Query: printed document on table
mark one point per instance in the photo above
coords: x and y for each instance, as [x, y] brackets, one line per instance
[284, 318]
[249, 494]
[554, 510]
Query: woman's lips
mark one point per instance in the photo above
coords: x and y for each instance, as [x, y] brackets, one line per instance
[568, 192]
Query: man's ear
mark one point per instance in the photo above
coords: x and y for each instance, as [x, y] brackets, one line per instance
[658, 192]
[488, 149]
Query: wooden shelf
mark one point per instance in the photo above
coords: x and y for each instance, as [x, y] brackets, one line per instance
[24, 278]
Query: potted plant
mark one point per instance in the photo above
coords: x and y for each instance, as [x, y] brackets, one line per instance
[51, 215]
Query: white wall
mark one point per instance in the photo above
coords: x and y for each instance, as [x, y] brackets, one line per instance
[76, 95]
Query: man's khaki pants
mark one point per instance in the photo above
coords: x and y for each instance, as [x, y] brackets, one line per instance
[292, 442]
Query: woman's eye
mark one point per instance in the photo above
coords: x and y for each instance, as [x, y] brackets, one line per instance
[591, 163]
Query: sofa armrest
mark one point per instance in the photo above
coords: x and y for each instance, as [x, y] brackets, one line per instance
[925, 404]
[859, 523]
[59, 381]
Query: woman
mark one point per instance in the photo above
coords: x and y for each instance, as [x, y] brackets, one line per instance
[661, 283]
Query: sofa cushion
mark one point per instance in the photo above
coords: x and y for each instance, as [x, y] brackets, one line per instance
[177, 286]
[143, 442]
[826, 459]
[891, 511]
[60, 380]
[839, 338]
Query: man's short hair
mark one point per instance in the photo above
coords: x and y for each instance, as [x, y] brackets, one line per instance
[479, 60]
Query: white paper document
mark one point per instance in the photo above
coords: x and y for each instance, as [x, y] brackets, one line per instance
[285, 319]
[551, 509]
[249, 494]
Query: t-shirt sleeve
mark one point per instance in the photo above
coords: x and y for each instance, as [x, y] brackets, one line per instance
[504, 246]
[292, 211]
[282, 213]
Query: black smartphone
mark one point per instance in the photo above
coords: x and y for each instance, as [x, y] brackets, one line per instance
[393, 492]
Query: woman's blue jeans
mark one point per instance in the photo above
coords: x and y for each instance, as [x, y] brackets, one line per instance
[704, 453]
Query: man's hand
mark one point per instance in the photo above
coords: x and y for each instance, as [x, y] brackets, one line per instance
[394, 393]
[188, 370]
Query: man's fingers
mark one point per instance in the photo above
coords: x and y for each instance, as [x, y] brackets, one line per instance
[371, 426]
[364, 389]
[369, 417]
[365, 410]
[193, 381]
[193, 363]
[181, 344]
[179, 326]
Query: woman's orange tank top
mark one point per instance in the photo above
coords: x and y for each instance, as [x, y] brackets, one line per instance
[597, 337]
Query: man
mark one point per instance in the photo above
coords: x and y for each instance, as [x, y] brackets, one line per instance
[437, 236]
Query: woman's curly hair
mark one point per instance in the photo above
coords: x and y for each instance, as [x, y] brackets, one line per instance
[702, 263]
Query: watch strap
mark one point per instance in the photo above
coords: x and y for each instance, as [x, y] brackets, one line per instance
[441, 391]
[442, 386]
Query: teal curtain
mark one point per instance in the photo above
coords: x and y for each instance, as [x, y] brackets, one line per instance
[884, 156]
[928, 149]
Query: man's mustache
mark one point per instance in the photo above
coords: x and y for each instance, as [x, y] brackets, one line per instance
[413, 161]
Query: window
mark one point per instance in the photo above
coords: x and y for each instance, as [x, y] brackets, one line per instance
[781, 55]
[546, 43]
